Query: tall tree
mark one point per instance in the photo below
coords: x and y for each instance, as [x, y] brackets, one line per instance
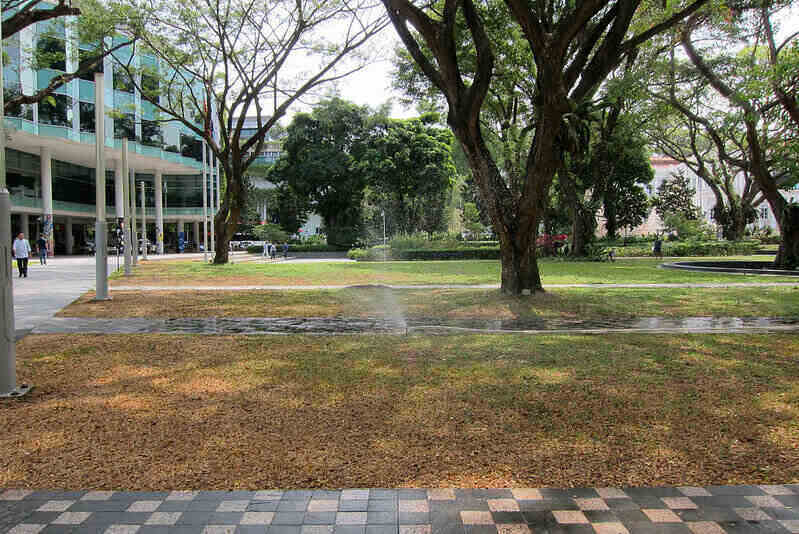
[684, 140]
[675, 196]
[574, 46]
[767, 111]
[320, 162]
[226, 61]
[409, 168]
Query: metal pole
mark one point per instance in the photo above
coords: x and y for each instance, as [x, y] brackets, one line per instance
[384, 235]
[205, 208]
[143, 223]
[131, 178]
[100, 230]
[8, 349]
[126, 204]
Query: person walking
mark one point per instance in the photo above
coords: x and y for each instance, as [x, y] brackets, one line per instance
[41, 246]
[285, 250]
[20, 250]
[657, 248]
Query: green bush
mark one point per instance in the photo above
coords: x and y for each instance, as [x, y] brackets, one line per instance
[483, 253]
[259, 249]
[358, 254]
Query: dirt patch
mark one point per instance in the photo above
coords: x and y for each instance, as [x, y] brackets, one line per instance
[148, 412]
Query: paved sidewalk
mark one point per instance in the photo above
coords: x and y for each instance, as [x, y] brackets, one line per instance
[399, 325]
[697, 510]
[48, 288]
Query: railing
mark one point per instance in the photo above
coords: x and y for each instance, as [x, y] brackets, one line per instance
[20, 201]
[88, 138]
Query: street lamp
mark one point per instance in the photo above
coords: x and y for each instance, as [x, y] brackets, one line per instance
[8, 350]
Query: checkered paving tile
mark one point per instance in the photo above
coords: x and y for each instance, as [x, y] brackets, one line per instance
[697, 510]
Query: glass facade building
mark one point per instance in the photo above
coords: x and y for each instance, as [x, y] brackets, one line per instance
[50, 154]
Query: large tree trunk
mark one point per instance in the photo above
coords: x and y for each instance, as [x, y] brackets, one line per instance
[520, 273]
[583, 229]
[516, 228]
[788, 255]
[226, 221]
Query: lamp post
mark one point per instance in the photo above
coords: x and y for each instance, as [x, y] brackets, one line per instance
[126, 203]
[143, 223]
[8, 350]
[100, 230]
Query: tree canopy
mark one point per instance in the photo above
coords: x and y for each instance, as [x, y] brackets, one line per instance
[244, 58]
[573, 46]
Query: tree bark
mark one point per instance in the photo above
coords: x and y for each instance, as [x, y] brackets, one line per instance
[788, 255]
[226, 221]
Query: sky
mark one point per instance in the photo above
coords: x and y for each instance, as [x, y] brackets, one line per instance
[372, 85]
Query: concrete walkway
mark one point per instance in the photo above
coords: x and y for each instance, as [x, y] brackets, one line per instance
[399, 325]
[684, 510]
[48, 288]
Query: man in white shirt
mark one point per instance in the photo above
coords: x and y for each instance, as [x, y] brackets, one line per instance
[21, 250]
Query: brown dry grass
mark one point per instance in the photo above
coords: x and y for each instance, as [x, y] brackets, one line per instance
[160, 412]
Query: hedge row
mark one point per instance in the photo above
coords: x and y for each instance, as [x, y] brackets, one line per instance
[376, 254]
[678, 249]
[691, 248]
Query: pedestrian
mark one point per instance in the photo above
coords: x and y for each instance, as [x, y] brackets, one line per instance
[657, 248]
[273, 251]
[21, 250]
[41, 245]
[285, 250]
[265, 251]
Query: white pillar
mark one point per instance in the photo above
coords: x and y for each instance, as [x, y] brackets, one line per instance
[70, 241]
[159, 212]
[119, 189]
[47, 199]
[25, 225]
[196, 234]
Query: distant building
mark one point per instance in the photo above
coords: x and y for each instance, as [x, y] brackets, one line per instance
[704, 198]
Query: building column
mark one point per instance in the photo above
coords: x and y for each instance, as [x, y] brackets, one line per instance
[24, 224]
[70, 240]
[47, 199]
[119, 197]
[159, 212]
[196, 235]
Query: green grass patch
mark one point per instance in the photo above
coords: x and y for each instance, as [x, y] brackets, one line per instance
[165, 273]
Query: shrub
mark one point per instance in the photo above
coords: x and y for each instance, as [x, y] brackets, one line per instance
[259, 249]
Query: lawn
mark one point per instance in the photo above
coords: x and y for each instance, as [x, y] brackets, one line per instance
[151, 412]
[188, 273]
[564, 303]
